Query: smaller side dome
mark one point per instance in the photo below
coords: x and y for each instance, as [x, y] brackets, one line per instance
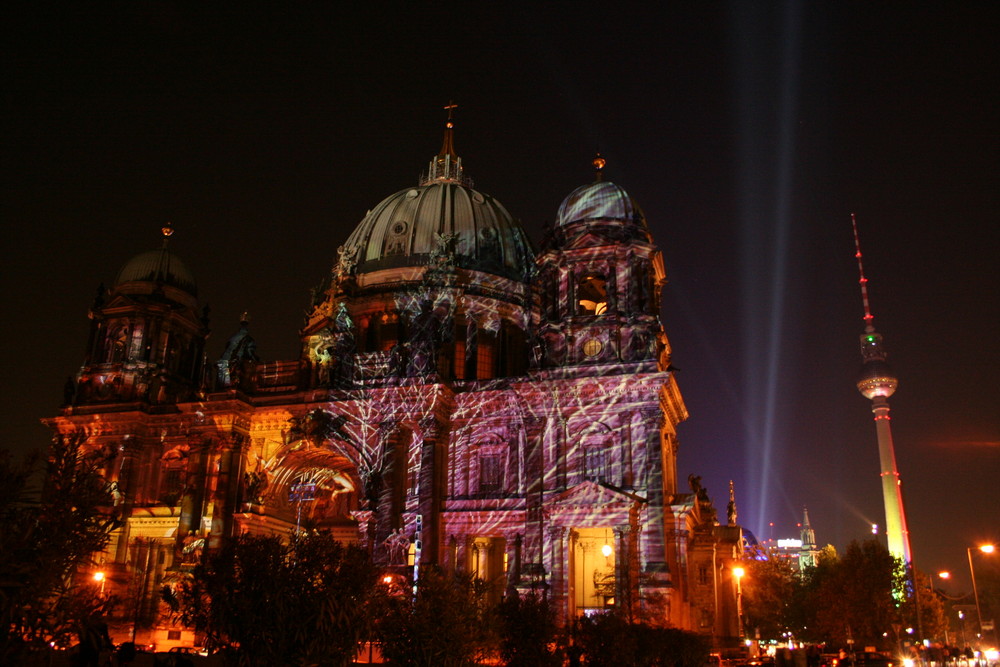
[159, 266]
[602, 200]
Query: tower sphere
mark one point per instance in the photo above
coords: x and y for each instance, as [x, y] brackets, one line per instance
[877, 379]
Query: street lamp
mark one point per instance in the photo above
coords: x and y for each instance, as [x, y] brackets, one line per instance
[986, 549]
[100, 578]
[738, 572]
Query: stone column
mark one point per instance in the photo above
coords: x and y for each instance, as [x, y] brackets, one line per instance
[513, 545]
[461, 553]
[192, 499]
[556, 554]
[431, 484]
[130, 462]
[226, 486]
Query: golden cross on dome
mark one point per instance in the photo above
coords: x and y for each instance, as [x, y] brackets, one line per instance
[450, 108]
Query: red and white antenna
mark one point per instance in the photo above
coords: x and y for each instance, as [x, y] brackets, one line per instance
[869, 318]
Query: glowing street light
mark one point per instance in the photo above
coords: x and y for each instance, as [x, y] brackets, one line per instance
[944, 574]
[738, 572]
[986, 549]
[99, 577]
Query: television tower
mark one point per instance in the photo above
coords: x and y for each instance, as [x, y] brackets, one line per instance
[877, 383]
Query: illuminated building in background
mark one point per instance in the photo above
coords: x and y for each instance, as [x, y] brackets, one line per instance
[801, 552]
[877, 383]
[460, 400]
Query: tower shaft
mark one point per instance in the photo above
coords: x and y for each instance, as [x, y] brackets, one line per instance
[892, 495]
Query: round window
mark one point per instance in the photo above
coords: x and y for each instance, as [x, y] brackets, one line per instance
[399, 227]
[592, 347]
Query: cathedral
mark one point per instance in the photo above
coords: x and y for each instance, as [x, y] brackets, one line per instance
[461, 399]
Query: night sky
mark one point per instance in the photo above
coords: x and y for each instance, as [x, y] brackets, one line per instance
[748, 133]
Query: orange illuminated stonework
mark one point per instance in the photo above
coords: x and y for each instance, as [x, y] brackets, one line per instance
[515, 410]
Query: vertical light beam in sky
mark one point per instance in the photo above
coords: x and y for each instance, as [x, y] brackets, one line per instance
[768, 72]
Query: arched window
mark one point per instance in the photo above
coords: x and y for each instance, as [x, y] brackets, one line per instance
[490, 473]
[596, 454]
[592, 294]
[488, 470]
[595, 462]
[388, 332]
[486, 349]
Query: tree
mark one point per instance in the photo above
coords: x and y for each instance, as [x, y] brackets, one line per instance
[48, 539]
[267, 602]
[527, 631]
[932, 618]
[769, 589]
[857, 595]
[611, 640]
[445, 624]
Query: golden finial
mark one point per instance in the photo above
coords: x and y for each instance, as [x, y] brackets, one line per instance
[167, 230]
[599, 163]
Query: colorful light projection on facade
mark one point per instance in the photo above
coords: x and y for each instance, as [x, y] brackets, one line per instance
[513, 415]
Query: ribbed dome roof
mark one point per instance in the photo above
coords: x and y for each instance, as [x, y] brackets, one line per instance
[601, 200]
[405, 229]
[159, 266]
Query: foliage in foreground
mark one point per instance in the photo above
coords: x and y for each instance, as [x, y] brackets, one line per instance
[265, 602]
[859, 595]
[527, 628]
[446, 624]
[768, 598]
[47, 540]
[610, 640]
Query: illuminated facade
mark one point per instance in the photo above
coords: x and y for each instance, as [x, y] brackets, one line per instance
[460, 400]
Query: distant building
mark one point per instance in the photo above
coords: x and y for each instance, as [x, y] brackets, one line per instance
[801, 552]
[460, 399]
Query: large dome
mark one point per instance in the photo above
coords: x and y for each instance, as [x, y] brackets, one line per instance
[406, 228]
[158, 266]
[601, 200]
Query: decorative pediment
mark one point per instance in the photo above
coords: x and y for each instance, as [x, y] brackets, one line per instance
[589, 239]
[593, 495]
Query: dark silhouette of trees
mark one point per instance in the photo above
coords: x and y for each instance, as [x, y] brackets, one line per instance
[610, 640]
[267, 602]
[527, 631]
[49, 537]
[446, 624]
[770, 595]
[865, 595]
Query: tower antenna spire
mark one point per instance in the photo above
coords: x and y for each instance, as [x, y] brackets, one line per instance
[869, 318]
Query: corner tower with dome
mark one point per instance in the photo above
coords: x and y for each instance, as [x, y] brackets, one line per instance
[459, 400]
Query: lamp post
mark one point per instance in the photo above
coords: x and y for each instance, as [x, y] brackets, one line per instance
[738, 572]
[986, 549]
[99, 577]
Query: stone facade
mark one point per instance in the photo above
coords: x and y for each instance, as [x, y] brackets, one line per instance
[459, 400]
